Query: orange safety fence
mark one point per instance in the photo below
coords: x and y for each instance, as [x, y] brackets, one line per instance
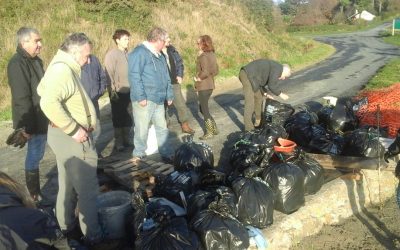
[388, 102]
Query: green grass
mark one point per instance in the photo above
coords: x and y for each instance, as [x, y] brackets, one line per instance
[332, 28]
[390, 73]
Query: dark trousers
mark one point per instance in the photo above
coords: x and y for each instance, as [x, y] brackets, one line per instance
[121, 117]
[204, 96]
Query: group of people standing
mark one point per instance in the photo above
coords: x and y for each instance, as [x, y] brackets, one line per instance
[60, 106]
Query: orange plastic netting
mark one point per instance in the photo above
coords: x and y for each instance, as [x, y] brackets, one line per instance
[388, 102]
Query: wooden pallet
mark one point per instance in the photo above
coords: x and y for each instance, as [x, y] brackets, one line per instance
[136, 176]
[352, 162]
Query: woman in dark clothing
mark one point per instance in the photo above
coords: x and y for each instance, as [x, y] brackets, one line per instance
[24, 226]
[207, 69]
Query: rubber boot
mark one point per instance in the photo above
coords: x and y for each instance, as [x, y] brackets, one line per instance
[214, 127]
[126, 137]
[209, 128]
[118, 142]
[186, 129]
[32, 179]
[394, 148]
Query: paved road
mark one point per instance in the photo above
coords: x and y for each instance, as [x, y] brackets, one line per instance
[358, 57]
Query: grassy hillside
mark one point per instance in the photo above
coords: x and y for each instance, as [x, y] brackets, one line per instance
[237, 40]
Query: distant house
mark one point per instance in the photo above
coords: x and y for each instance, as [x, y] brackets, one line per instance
[365, 15]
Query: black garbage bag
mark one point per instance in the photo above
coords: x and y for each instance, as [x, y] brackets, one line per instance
[255, 200]
[363, 143]
[313, 172]
[136, 219]
[276, 113]
[203, 198]
[193, 156]
[300, 127]
[219, 230]
[287, 182]
[212, 177]
[324, 116]
[169, 233]
[176, 187]
[343, 117]
[245, 153]
[324, 142]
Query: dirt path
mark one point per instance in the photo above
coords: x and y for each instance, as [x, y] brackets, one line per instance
[374, 228]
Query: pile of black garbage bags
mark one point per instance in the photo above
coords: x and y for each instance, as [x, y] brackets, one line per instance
[199, 206]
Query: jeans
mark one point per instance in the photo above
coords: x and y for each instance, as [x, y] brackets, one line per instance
[143, 116]
[35, 152]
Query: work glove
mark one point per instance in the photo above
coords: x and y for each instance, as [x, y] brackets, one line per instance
[17, 138]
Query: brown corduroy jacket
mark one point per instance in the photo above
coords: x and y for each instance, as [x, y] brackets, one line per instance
[207, 69]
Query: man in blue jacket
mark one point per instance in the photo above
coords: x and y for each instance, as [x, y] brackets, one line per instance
[150, 87]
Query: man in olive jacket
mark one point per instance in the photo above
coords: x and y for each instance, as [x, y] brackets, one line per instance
[25, 70]
[259, 78]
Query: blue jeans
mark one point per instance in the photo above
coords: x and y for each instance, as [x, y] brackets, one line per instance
[35, 152]
[142, 116]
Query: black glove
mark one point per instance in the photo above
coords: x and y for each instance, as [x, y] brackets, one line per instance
[114, 95]
[17, 138]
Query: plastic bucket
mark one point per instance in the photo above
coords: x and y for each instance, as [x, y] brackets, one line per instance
[113, 209]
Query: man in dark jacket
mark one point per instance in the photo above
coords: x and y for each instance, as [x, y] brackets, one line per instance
[94, 82]
[176, 68]
[24, 71]
[259, 78]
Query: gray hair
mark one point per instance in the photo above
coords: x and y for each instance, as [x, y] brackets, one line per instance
[24, 34]
[156, 34]
[74, 41]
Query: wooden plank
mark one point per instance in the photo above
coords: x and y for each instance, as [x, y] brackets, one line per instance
[352, 162]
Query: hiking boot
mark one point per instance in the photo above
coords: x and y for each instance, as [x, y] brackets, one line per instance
[186, 129]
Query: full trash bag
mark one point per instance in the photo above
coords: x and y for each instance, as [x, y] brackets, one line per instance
[300, 127]
[212, 177]
[287, 182]
[343, 117]
[203, 198]
[169, 233]
[363, 143]
[193, 156]
[276, 113]
[176, 187]
[219, 230]
[313, 172]
[255, 200]
[325, 142]
[245, 153]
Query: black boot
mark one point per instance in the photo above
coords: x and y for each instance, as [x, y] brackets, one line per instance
[32, 179]
[394, 148]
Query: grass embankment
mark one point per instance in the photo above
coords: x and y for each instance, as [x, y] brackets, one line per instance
[390, 73]
[237, 40]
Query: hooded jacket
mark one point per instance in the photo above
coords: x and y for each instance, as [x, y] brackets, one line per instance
[24, 73]
[61, 98]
